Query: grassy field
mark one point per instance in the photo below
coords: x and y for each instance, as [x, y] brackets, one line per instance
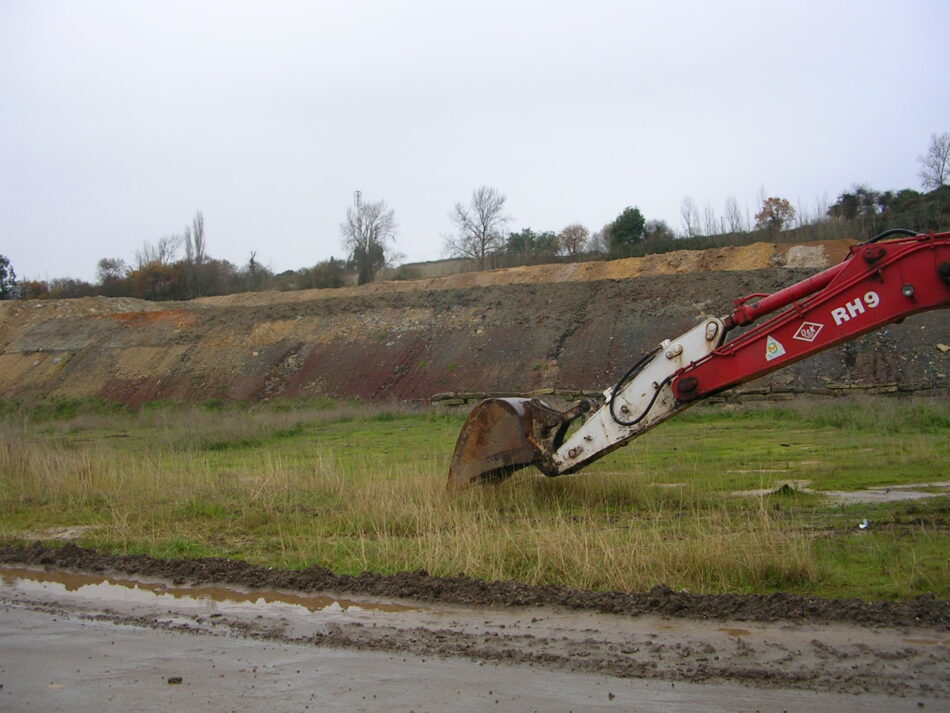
[354, 488]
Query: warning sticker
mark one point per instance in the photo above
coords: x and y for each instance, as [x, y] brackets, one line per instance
[773, 348]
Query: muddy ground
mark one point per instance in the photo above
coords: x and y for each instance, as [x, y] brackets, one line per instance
[922, 611]
[895, 655]
[79, 659]
[891, 649]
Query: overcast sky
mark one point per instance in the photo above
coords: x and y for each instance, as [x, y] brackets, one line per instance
[119, 120]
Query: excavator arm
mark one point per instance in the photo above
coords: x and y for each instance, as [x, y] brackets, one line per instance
[880, 282]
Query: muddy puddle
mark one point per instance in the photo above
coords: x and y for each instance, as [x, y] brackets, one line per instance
[212, 599]
[418, 589]
[877, 494]
[736, 632]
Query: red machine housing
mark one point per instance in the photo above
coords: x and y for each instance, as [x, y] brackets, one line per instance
[875, 285]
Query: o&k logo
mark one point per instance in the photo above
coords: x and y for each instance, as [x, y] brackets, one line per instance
[808, 331]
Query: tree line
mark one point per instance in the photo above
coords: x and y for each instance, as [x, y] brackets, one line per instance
[178, 266]
[482, 237]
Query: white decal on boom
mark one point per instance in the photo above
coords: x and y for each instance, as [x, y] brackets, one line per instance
[855, 307]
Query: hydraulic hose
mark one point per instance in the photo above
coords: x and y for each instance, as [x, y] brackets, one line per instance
[632, 373]
[888, 233]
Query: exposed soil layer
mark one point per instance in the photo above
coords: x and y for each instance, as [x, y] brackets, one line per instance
[571, 327]
[924, 611]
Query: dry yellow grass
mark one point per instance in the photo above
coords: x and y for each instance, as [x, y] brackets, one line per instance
[607, 532]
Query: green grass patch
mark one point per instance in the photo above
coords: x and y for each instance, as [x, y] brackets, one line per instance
[355, 487]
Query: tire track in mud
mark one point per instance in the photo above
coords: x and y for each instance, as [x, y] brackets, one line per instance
[925, 610]
[858, 668]
[832, 657]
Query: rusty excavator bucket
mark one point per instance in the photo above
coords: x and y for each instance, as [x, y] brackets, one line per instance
[503, 435]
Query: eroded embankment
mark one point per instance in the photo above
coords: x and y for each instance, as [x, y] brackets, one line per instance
[565, 327]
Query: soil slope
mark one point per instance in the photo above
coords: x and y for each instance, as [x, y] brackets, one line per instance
[570, 327]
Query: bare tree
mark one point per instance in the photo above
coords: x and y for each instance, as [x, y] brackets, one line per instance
[573, 239]
[195, 254]
[935, 164]
[367, 232]
[194, 237]
[111, 274]
[257, 277]
[802, 219]
[163, 252]
[110, 269]
[734, 215]
[690, 214]
[599, 242]
[147, 254]
[481, 226]
[656, 230]
[711, 225]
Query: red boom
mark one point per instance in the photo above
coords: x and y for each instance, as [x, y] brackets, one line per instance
[875, 285]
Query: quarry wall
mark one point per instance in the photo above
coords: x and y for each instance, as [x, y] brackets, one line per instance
[571, 328]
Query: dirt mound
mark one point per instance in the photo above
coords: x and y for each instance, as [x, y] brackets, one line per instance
[757, 256]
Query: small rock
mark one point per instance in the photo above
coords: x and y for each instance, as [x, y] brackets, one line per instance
[174, 679]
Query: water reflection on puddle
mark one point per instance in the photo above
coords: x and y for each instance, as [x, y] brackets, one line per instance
[737, 633]
[100, 587]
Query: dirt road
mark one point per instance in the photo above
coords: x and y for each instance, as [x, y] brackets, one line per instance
[109, 641]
